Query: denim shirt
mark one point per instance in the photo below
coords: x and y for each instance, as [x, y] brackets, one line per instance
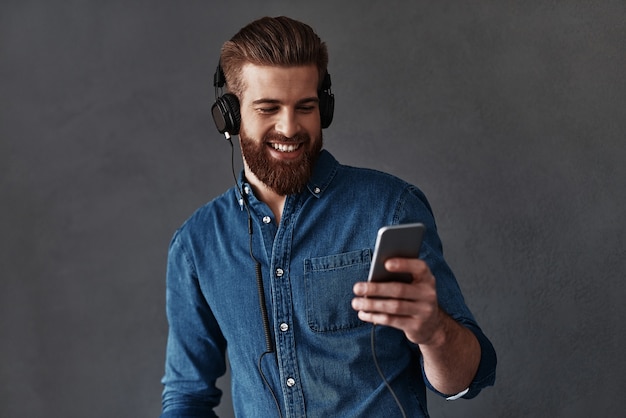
[322, 365]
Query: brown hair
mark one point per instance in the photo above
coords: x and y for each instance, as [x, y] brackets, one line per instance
[279, 41]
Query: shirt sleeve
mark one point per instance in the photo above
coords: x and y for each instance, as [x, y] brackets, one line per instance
[450, 296]
[195, 354]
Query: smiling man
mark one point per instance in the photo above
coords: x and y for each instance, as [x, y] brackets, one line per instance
[280, 133]
[274, 271]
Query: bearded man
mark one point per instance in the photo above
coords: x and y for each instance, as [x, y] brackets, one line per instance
[274, 271]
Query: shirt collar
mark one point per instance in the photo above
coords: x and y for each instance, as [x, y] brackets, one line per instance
[325, 170]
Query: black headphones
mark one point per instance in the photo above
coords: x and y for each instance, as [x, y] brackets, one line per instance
[226, 113]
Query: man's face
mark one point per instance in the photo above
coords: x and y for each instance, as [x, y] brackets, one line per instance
[280, 133]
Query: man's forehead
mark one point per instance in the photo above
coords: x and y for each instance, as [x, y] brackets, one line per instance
[275, 80]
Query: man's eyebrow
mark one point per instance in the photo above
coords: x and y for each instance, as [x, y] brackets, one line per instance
[309, 99]
[276, 101]
[266, 101]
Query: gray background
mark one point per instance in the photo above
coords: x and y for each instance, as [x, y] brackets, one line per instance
[510, 115]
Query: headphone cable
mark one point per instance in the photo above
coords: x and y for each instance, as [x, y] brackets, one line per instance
[269, 343]
[380, 372]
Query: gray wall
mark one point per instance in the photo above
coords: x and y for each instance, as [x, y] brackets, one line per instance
[510, 115]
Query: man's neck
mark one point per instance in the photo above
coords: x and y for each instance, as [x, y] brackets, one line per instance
[275, 201]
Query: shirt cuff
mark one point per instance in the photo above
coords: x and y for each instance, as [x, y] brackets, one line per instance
[457, 396]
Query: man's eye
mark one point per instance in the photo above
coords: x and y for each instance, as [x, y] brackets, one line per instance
[267, 109]
[306, 109]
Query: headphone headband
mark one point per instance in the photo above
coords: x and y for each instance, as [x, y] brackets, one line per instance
[219, 79]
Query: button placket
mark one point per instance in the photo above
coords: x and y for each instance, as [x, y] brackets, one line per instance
[283, 306]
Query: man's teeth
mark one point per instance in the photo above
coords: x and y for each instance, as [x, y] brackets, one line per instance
[285, 148]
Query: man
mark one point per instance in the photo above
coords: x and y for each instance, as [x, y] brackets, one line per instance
[300, 346]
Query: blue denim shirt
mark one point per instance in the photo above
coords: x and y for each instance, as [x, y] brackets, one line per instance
[323, 361]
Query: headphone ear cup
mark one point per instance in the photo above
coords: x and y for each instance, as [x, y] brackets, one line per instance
[226, 114]
[327, 108]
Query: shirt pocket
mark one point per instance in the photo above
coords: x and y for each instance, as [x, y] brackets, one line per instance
[329, 281]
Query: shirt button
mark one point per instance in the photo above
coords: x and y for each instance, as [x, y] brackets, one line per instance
[279, 272]
[267, 219]
[317, 190]
[284, 327]
[291, 382]
[246, 190]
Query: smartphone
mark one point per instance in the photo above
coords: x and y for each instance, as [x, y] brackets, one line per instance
[403, 241]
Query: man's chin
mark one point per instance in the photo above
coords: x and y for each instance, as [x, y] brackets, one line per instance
[284, 173]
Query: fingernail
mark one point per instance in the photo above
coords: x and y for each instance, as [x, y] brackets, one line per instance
[391, 264]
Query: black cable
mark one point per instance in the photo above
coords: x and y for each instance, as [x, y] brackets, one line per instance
[269, 342]
[380, 372]
[267, 384]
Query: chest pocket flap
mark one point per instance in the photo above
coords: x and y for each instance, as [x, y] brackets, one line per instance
[329, 281]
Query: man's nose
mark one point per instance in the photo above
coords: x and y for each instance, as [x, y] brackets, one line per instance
[287, 123]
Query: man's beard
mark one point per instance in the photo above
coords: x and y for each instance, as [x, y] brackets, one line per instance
[283, 177]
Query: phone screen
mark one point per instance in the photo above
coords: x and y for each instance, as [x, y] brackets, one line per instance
[403, 241]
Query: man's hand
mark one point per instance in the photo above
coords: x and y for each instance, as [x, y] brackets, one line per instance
[451, 352]
[410, 307]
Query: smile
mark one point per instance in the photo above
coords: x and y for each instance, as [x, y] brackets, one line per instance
[285, 147]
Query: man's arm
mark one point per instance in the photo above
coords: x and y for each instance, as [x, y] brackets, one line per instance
[452, 357]
[195, 355]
